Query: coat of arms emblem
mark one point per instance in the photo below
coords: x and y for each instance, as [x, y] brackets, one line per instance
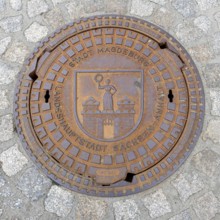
[108, 104]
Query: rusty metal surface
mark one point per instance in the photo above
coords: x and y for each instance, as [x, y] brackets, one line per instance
[109, 105]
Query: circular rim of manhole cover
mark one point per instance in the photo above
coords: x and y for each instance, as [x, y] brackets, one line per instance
[109, 105]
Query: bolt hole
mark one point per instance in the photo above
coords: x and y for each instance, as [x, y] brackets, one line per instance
[33, 76]
[170, 95]
[129, 177]
[47, 96]
[163, 45]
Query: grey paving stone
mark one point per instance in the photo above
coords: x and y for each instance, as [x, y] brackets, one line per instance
[3, 100]
[16, 4]
[36, 7]
[35, 32]
[4, 44]
[126, 210]
[161, 2]
[202, 53]
[59, 201]
[212, 75]
[71, 9]
[2, 5]
[36, 211]
[215, 97]
[49, 216]
[212, 131]
[54, 21]
[203, 23]
[217, 17]
[33, 184]
[185, 215]
[13, 203]
[56, 2]
[142, 8]
[92, 6]
[187, 8]
[6, 192]
[207, 162]
[89, 208]
[2, 181]
[96, 6]
[12, 160]
[7, 74]
[157, 204]
[17, 52]
[207, 206]
[187, 32]
[207, 4]
[187, 185]
[164, 18]
[18, 207]
[6, 128]
[116, 6]
[215, 42]
[12, 24]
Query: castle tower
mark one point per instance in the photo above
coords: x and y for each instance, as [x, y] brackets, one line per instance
[124, 121]
[91, 122]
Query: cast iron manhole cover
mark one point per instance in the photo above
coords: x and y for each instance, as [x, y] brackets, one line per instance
[109, 105]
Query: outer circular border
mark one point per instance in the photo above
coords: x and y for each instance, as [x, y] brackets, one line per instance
[133, 19]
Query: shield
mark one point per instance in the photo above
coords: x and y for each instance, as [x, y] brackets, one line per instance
[108, 105]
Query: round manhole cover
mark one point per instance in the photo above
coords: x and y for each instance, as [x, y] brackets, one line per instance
[109, 105]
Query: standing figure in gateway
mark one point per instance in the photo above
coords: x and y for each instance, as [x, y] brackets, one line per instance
[110, 90]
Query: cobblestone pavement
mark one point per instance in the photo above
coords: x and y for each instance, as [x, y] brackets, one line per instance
[193, 192]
